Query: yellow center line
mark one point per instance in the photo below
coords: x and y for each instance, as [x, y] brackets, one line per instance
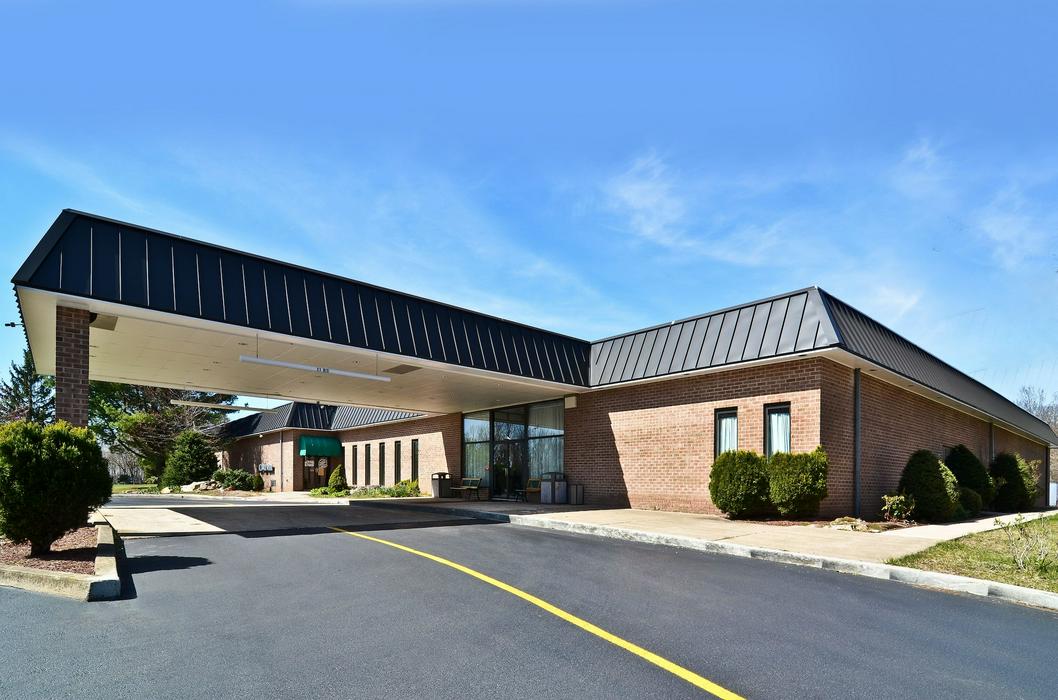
[659, 661]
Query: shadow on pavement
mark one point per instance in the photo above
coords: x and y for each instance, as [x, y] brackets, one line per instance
[150, 562]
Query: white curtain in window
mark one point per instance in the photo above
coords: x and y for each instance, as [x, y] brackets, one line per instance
[728, 433]
[778, 431]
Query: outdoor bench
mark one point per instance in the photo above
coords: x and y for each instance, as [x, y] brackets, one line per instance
[469, 486]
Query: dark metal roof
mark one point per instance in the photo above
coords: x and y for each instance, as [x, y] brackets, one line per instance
[782, 325]
[310, 416]
[98, 258]
[865, 337]
[789, 324]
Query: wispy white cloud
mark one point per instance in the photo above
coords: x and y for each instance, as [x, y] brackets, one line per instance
[922, 174]
[1016, 233]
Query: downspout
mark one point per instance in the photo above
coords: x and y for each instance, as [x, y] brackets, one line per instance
[856, 446]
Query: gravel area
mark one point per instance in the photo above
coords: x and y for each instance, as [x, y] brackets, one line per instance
[74, 553]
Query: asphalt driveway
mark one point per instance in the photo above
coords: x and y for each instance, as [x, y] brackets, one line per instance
[267, 609]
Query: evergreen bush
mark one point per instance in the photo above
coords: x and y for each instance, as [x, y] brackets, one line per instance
[798, 482]
[932, 485]
[51, 477]
[969, 472]
[191, 459]
[738, 484]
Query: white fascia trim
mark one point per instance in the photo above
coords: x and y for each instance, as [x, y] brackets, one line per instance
[125, 310]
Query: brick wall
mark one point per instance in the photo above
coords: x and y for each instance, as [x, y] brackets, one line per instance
[439, 449]
[277, 449]
[651, 445]
[71, 365]
[896, 423]
[837, 438]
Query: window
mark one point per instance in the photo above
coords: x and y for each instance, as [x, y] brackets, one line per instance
[477, 430]
[367, 464]
[381, 464]
[415, 460]
[517, 442]
[776, 429]
[726, 429]
[354, 461]
[396, 461]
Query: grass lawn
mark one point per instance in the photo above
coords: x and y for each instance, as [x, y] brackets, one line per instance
[987, 555]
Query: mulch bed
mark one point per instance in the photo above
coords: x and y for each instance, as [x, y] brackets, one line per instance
[73, 553]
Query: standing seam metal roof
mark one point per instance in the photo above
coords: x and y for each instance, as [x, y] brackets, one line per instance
[310, 416]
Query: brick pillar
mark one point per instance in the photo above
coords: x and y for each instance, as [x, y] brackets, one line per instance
[71, 365]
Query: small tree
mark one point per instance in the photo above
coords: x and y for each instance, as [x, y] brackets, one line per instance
[191, 459]
[51, 477]
[25, 395]
[337, 481]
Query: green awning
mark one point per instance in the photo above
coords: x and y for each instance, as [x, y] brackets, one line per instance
[319, 446]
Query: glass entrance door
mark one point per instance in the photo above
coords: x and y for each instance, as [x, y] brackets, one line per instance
[508, 468]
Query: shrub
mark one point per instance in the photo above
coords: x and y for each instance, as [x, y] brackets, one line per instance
[337, 481]
[258, 483]
[933, 486]
[898, 508]
[969, 472]
[151, 480]
[328, 492]
[798, 482]
[738, 484]
[969, 501]
[1011, 492]
[403, 489]
[233, 479]
[191, 459]
[50, 479]
[1030, 471]
[123, 479]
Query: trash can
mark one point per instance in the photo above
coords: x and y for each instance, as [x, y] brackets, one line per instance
[442, 484]
[576, 494]
[553, 487]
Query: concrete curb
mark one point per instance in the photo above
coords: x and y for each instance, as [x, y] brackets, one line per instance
[900, 574]
[103, 585]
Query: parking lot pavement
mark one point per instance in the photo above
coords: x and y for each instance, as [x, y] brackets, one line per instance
[154, 515]
[309, 612]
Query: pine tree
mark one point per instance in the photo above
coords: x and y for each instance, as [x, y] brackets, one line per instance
[26, 395]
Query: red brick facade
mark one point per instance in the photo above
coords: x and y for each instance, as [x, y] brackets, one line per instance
[71, 365]
[438, 449]
[651, 445]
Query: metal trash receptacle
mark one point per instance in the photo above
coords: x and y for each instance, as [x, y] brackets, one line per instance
[576, 494]
[553, 488]
[442, 484]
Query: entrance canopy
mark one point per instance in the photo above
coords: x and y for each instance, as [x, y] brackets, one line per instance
[169, 311]
[319, 446]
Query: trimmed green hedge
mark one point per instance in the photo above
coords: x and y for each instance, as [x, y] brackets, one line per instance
[933, 486]
[969, 501]
[738, 484]
[969, 472]
[1012, 492]
[798, 482]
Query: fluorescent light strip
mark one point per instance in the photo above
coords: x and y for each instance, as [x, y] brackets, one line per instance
[309, 368]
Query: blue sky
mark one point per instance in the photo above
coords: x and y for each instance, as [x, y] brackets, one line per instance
[591, 167]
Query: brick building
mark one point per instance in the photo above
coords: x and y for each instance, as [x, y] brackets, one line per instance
[636, 418]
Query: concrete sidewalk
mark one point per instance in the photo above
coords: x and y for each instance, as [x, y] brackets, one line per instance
[627, 523]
